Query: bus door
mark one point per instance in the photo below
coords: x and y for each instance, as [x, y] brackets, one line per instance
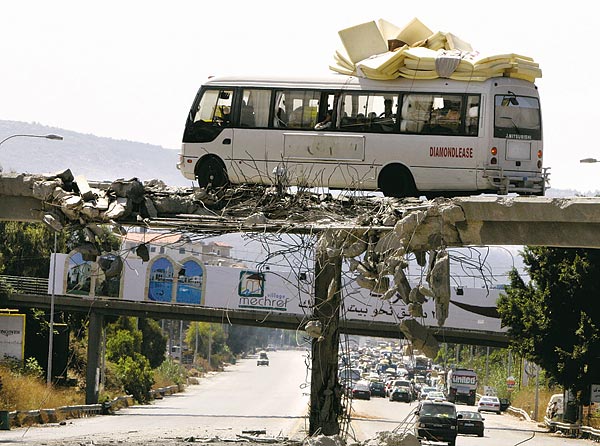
[323, 154]
[250, 138]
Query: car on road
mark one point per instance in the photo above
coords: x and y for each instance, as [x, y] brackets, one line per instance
[263, 358]
[377, 388]
[400, 383]
[471, 423]
[436, 396]
[488, 404]
[437, 421]
[401, 393]
[360, 391]
[425, 391]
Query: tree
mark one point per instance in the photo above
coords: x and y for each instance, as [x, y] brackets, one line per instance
[243, 338]
[123, 346]
[154, 342]
[554, 320]
[209, 336]
[25, 249]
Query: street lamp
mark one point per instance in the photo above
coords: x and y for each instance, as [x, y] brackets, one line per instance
[26, 135]
[588, 160]
[50, 136]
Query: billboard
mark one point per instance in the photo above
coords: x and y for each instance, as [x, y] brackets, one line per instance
[12, 336]
[190, 282]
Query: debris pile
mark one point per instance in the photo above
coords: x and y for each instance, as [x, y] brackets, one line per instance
[384, 438]
[383, 51]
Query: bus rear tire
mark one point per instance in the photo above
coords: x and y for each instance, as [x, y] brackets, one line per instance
[396, 181]
[211, 172]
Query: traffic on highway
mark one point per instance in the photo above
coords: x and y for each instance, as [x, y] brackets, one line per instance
[274, 400]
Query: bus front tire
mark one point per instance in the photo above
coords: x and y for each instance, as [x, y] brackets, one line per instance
[211, 173]
[397, 181]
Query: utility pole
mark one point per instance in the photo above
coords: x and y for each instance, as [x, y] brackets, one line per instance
[325, 389]
[92, 381]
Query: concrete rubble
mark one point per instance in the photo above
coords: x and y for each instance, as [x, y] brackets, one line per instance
[385, 438]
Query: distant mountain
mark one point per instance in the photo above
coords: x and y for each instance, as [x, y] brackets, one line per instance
[97, 158]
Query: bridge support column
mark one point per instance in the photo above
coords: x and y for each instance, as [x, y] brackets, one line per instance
[92, 377]
[325, 389]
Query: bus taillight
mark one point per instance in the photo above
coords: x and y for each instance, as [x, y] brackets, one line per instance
[540, 153]
[494, 152]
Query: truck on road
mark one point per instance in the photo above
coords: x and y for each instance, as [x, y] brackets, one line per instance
[462, 386]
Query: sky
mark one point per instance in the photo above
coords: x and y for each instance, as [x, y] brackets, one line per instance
[130, 69]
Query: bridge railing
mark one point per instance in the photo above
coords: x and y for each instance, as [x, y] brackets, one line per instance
[24, 285]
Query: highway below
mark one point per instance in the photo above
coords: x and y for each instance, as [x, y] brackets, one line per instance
[247, 397]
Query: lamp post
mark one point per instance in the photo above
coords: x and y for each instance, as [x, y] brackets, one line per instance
[51, 328]
[588, 160]
[25, 135]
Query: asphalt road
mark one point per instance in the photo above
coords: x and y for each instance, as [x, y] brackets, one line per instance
[247, 397]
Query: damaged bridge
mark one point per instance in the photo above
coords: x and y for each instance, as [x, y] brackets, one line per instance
[62, 200]
[373, 236]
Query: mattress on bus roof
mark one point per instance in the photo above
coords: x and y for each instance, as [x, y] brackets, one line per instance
[426, 55]
[362, 41]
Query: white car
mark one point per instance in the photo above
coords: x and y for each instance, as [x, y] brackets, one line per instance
[436, 396]
[426, 390]
[489, 404]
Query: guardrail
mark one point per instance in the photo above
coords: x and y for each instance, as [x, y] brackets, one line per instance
[24, 285]
[573, 429]
[519, 412]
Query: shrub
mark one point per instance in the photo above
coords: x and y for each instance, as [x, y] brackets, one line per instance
[170, 372]
[135, 374]
[32, 368]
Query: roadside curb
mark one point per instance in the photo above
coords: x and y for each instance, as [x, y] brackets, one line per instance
[20, 418]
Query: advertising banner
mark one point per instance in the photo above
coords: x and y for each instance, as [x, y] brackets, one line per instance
[189, 281]
[12, 336]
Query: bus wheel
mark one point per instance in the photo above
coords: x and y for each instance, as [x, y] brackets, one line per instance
[396, 181]
[211, 173]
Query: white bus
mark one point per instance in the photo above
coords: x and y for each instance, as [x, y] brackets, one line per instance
[402, 137]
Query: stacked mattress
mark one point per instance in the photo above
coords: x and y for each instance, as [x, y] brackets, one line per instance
[383, 51]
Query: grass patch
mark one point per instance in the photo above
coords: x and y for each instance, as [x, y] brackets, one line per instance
[524, 398]
[26, 392]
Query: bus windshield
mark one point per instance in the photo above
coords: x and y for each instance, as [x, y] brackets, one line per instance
[517, 117]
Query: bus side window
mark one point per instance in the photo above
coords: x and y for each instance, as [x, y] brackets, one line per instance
[416, 112]
[472, 122]
[247, 115]
[254, 108]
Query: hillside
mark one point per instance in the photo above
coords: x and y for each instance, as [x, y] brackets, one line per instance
[97, 158]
